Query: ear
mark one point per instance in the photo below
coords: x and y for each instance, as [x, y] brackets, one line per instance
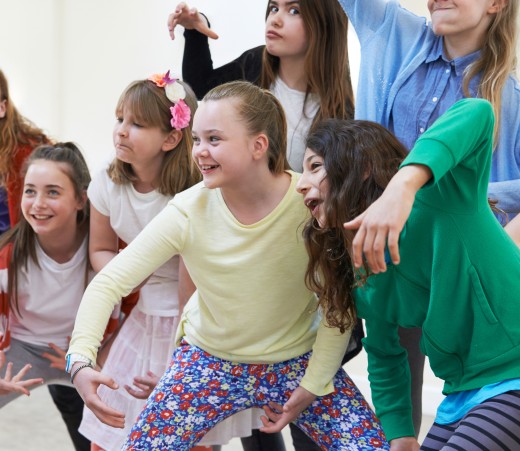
[496, 6]
[260, 146]
[172, 140]
[3, 108]
[82, 201]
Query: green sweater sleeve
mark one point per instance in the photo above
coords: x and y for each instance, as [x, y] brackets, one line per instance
[388, 369]
[466, 126]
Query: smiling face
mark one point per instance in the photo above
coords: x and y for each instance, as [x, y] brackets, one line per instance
[49, 202]
[223, 148]
[313, 185]
[285, 33]
[466, 20]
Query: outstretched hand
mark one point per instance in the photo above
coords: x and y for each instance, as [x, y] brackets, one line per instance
[191, 19]
[87, 382]
[278, 416]
[16, 384]
[381, 224]
[58, 359]
[145, 384]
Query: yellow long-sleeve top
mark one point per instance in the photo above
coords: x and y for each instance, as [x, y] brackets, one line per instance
[251, 303]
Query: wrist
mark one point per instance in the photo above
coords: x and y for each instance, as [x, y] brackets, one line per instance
[74, 359]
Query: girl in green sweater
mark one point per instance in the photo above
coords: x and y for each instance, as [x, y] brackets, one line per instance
[428, 253]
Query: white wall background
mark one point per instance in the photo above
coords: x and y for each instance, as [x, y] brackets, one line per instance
[67, 62]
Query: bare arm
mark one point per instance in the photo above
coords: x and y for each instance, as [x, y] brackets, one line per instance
[103, 242]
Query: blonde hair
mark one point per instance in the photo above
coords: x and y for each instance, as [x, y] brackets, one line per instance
[326, 62]
[151, 107]
[262, 113]
[497, 59]
[15, 131]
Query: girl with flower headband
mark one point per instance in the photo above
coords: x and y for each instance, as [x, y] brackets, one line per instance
[152, 140]
[251, 334]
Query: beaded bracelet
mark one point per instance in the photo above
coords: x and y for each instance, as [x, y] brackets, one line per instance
[85, 365]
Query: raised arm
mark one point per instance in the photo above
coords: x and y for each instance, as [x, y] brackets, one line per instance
[464, 132]
[197, 65]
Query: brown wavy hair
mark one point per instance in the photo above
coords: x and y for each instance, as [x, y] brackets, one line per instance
[151, 107]
[360, 158]
[326, 62]
[22, 236]
[15, 131]
[497, 61]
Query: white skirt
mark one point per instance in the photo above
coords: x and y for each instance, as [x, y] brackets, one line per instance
[145, 343]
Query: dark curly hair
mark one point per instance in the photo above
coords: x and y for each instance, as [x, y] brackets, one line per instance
[360, 158]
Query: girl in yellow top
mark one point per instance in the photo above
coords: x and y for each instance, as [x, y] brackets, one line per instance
[251, 335]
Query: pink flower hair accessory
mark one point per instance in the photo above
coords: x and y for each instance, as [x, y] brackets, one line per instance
[175, 92]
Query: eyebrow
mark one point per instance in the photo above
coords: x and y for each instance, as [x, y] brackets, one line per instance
[31, 185]
[289, 3]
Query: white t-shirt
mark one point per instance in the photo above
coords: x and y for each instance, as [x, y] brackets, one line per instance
[48, 297]
[298, 120]
[129, 212]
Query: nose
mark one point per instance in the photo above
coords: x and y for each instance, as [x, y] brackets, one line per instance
[39, 201]
[121, 129]
[275, 19]
[199, 150]
[302, 186]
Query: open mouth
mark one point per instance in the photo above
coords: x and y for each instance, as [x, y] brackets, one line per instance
[313, 205]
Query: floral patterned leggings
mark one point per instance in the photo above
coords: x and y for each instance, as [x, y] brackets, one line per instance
[198, 390]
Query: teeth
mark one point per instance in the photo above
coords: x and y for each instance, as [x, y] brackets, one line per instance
[41, 217]
[205, 167]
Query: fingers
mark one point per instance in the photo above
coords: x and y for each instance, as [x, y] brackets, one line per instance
[21, 387]
[106, 414]
[393, 246]
[21, 374]
[2, 357]
[138, 394]
[59, 352]
[273, 421]
[8, 371]
[173, 18]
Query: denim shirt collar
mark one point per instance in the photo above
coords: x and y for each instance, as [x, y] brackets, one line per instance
[460, 64]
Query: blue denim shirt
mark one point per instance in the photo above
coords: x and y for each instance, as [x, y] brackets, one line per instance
[431, 89]
[395, 44]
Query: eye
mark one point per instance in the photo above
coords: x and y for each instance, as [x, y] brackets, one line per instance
[316, 165]
[214, 139]
[196, 139]
[54, 193]
[138, 125]
[294, 11]
[29, 192]
[273, 9]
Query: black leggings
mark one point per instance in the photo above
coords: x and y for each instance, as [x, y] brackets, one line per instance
[260, 441]
[70, 405]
